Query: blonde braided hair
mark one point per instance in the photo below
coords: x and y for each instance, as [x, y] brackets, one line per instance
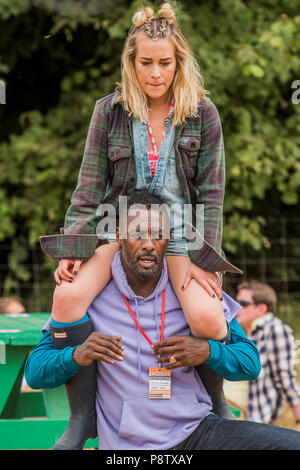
[187, 86]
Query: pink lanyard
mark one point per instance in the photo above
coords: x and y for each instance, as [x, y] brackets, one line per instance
[154, 154]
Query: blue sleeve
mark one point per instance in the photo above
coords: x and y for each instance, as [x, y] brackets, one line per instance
[238, 360]
[47, 367]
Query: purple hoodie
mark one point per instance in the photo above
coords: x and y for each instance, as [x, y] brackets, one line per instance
[127, 418]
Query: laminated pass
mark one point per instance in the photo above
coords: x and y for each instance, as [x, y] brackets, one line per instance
[159, 383]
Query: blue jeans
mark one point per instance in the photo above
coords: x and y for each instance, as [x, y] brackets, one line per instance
[214, 433]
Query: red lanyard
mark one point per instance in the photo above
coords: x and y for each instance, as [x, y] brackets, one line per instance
[162, 326]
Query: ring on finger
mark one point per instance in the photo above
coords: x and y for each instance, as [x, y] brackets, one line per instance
[173, 359]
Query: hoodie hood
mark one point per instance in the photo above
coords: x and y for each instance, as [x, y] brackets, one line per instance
[120, 279]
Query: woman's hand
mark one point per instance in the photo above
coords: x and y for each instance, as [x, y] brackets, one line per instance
[211, 282]
[67, 269]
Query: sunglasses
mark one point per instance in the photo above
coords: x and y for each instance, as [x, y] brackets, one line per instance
[245, 303]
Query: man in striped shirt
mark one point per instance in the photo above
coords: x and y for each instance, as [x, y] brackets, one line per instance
[275, 342]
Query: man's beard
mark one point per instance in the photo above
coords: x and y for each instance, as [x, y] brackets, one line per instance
[144, 274]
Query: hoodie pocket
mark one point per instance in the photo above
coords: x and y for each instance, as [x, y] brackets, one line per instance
[152, 422]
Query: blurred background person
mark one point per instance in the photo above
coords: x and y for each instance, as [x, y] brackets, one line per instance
[10, 305]
[264, 397]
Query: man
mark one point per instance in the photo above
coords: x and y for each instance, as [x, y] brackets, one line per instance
[276, 343]
[141, 336]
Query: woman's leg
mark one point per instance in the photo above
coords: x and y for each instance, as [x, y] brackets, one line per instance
[72, 299]
[204, 314]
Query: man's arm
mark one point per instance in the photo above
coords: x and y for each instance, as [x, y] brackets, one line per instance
[238, 360]
[47, 367]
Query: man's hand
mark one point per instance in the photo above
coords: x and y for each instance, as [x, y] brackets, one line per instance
[188, 351]
[99, 347]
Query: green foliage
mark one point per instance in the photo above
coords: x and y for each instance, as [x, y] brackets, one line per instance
[11, 8]
[249, 53]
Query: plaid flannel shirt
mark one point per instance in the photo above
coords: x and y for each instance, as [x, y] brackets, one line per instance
[108, 171]
[275, 384]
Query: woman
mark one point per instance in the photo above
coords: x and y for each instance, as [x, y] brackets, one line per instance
[160, 108]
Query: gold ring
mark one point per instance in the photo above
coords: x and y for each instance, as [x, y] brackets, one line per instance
[173, 359]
